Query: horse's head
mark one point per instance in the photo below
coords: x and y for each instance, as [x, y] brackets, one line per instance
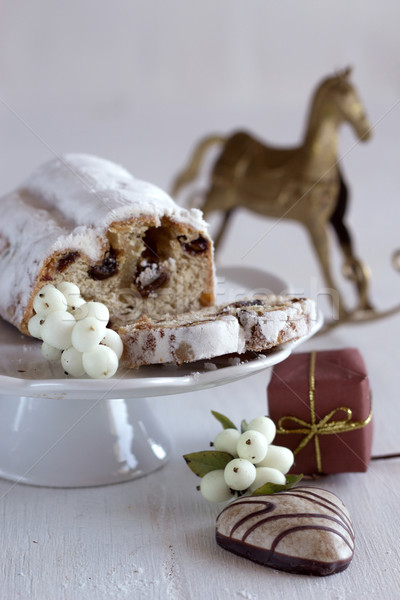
[339, 98]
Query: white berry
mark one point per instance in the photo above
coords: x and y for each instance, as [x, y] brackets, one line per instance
[100, 363]
[264, 425]
[214, 488]
[35, 326]
[278, 457]
[252, 445]
[70, 291]
[267, 475]
[113, 341]
[239, 474]
[57, 329]
[87, 334]
[49, 300]
[50, 353]
[93, 309]
[71, 361]
[76, 303]
[226, 441]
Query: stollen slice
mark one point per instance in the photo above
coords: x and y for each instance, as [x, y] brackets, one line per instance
[251, 324]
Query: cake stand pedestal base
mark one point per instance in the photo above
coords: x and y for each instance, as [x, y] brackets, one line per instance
[78, 443]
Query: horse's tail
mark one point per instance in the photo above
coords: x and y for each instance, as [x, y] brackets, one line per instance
[190, 172]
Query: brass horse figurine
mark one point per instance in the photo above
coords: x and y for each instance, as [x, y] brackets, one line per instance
[303, 183]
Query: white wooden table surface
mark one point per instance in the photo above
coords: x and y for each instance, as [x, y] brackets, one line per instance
[153, 538]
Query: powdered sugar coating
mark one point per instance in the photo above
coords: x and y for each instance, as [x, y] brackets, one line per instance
[68, 204]
[149, 274]
[101, 192]
[201, 340]
[284, 321]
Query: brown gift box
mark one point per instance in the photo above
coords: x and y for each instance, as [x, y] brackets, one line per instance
[321, 404]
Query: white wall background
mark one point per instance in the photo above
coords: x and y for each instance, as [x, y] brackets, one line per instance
[140, 82]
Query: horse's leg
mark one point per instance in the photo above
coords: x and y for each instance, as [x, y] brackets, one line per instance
[228, 171]
[319, 238]
[221, 231]
[353, 267]
[192, 168]
[219, 198]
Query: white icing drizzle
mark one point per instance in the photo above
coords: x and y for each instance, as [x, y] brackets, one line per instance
[68, 204]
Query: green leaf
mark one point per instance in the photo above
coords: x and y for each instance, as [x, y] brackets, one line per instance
[225, 422]
[293, 479]
[243, 426]
[202, 463]
[274, 488]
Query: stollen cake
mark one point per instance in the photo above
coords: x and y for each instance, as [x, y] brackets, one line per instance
[251, 324]
[124, 242]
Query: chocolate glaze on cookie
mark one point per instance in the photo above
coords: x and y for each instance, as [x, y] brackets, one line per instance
[305, 530]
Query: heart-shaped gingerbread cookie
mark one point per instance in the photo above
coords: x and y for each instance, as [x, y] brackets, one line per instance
[304, 530]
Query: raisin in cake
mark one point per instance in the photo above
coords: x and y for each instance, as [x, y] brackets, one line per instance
[254, 324]
[124, 242]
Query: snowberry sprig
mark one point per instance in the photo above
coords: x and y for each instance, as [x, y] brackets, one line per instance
[243, 462]
[75, 332]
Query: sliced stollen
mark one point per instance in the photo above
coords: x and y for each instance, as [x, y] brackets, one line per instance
[251, 324]
[122, 241]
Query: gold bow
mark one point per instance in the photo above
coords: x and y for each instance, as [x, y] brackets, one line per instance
[325, 426]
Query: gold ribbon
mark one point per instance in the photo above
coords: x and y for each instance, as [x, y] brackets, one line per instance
[326, 426]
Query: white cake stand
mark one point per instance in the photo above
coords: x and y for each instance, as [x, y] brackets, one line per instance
[63, 432]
